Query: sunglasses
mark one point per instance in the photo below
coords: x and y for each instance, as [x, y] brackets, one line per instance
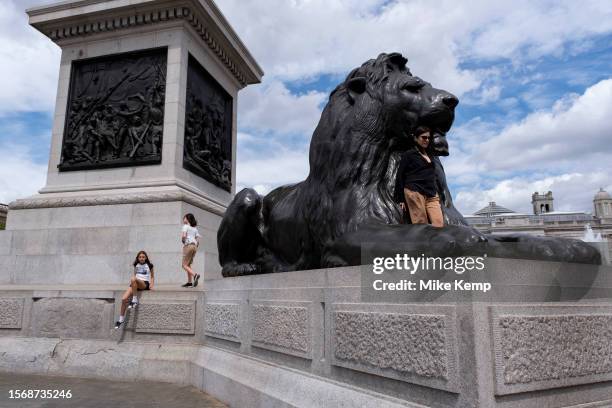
[425, 137]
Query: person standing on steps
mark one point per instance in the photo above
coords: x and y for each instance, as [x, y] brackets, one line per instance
[190, 237]
[142, 280]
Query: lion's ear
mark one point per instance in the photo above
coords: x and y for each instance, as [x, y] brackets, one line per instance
[355, 86]
[398, 60]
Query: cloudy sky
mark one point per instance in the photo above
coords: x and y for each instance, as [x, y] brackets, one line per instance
[534, 81]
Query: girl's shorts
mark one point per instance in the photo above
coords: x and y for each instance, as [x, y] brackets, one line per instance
[189, 252]
[146, 285]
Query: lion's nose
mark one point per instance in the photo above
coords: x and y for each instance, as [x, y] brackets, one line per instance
[450, 100]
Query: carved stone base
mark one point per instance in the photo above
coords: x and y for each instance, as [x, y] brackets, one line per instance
[307, 339]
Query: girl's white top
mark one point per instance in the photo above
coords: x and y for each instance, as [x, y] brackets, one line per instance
[143, 272]
[191, 234]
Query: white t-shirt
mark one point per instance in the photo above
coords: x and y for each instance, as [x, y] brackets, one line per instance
[191, 234]
[143, 272]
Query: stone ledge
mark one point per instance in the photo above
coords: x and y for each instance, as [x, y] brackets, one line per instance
[600, 404]
[282, 326]
[167, 316]
[544, 347]
[71, 317]
[235, 379]
[41, 201]
[411, 343]
[93, 290]
[11, 313]
[222, 320]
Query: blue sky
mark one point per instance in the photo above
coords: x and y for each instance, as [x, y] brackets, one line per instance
[534, 81]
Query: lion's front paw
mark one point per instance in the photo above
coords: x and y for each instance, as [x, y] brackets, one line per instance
[547, 249]
[238, 269]
[459, 240]
[333, 261]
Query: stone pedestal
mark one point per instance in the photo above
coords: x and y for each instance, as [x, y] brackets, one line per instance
[144, 131]
[309, 339]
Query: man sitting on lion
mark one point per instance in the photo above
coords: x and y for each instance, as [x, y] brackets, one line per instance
[348, 197]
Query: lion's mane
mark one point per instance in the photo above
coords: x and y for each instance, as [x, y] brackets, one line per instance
[352, 165]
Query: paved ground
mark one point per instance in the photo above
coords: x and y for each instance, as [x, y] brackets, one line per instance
[87, 393]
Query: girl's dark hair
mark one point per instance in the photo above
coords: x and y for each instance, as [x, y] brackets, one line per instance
[146, 259]
[191, 219]
[420, 130]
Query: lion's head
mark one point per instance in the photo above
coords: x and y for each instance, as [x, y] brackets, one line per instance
[404, 101]
[373, 114]
[367, 123]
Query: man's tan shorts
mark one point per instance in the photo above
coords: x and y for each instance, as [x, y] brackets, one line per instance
[189, 252]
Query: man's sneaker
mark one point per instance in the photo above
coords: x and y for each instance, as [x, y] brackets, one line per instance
[187, 285]
[132, 305]
[195, 280]
[118, 324]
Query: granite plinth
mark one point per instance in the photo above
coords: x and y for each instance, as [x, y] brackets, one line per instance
[307, 338]
[97, 244]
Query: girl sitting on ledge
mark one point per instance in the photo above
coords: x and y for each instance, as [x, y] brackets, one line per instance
[142, 280]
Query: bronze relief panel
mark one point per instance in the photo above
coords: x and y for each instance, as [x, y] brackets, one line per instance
[207, 151]
[115, 112]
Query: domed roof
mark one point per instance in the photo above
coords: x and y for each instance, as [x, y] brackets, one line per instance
[493, 209]
[602, 195]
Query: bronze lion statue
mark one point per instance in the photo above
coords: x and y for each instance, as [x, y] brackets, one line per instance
[347, 198]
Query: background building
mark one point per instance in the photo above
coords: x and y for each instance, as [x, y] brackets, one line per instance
[542, 203]
[602, 204]
[496, 219]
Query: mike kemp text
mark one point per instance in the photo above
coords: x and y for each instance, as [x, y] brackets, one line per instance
[432, 284]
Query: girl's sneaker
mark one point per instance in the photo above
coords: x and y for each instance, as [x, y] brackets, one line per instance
[118, 324]
[195, 280]
[187, 285]
[132, 305]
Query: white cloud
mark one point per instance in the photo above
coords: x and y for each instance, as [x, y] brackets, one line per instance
[566, 144]
[571, 191]
[269, 171]
[293, 40]
[526, 29]
[275, 151]
[272, 107]
[302, 39]
[490, 94]
[19, 175]
[565, 149]
[576, 129]
[484, 95]
[320, 37]
[29, 65]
